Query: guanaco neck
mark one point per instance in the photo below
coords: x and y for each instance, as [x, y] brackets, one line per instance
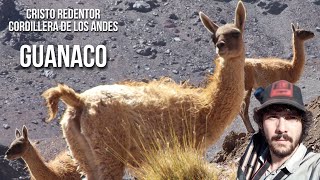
[298, 59]
[36, 165]
[226, 90]
[228, 75]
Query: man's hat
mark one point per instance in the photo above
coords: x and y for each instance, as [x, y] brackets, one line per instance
[280, 92]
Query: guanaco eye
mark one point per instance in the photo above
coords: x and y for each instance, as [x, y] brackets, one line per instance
[214, 38]
[18, 146]
[235, 34]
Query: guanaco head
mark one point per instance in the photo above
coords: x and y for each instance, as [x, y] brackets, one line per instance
[227, 38]
[19, 146]
[301, 34]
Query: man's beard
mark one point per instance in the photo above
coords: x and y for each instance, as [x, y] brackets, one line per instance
[281, 150]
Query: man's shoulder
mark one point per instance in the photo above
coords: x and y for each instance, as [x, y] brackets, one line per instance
[309, 167]
[312, 157]
[309, 156]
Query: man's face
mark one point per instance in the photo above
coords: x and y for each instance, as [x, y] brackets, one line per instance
[282, 128]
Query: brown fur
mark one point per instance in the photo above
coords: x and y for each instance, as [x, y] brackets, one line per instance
[70, 125]
[61, 168]
[110, 115]
[264, 71]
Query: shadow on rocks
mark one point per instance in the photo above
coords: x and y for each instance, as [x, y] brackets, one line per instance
[11, 169]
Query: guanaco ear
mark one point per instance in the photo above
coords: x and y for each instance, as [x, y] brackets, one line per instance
[240, 16]
[25, 132]
[293, 28]
[18, 134]
[208, 24]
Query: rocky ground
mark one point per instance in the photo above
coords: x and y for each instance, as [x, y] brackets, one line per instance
[155, 38]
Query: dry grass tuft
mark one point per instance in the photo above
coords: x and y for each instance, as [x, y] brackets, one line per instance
[169, 157]
[175, 163]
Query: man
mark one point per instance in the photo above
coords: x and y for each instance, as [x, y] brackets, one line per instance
[276, 151]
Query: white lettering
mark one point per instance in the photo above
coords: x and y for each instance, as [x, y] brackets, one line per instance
[61, 56]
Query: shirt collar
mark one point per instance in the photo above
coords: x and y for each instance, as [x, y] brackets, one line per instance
[293, 163]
